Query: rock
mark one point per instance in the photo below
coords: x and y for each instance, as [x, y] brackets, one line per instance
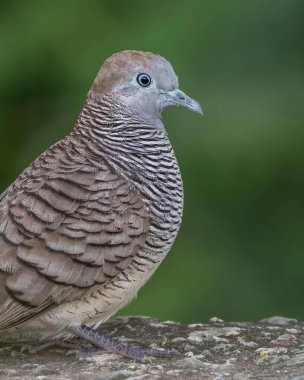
[285, 340]
[216, 321]
[280, 321]
[216, 351]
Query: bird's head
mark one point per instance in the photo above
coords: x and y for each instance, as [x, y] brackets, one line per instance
[144, 82]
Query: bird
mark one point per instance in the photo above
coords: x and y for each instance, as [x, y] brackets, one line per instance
[85, 226]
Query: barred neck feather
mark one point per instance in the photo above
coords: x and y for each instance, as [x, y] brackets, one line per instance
[141, 153]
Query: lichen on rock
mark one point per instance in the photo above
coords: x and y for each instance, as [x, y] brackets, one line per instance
[272, 348]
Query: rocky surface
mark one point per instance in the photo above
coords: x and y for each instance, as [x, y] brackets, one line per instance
[271, 349]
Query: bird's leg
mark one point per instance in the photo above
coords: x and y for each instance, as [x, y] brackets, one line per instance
[101, 341]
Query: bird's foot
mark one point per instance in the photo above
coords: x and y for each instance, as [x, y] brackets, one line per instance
[103, 342]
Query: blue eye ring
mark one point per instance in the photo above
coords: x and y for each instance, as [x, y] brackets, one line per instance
[144, 80]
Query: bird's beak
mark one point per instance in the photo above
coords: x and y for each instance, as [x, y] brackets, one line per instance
[179, 98]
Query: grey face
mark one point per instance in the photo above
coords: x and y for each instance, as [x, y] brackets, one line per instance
[145, 82]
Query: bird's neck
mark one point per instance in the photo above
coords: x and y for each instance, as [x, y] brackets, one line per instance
[140, 153]
[110, 124]
[125, 139]
[111, 115]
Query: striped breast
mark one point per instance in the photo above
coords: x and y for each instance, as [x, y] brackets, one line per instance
[144, 156]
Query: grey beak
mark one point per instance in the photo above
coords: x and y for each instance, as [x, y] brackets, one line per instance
[179, 98]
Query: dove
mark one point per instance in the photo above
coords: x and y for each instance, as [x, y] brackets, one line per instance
[85, 226]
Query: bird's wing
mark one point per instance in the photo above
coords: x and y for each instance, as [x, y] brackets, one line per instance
[65, 226]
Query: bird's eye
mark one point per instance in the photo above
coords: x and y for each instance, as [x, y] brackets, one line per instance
[144, 80]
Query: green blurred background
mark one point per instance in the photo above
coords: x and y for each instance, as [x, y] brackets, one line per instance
[240, 251]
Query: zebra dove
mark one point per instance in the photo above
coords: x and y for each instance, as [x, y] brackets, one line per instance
[90, 220]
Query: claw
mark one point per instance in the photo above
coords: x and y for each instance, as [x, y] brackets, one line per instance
[101, 341]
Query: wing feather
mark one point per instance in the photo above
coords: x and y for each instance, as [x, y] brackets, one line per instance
[65, 226]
